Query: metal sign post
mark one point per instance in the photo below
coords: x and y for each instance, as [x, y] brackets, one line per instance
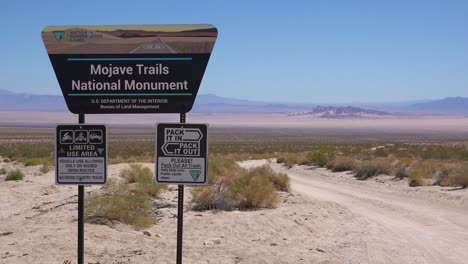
[180, 211]
[81, 194]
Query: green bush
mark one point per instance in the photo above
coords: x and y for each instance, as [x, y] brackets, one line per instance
[122, 203]
[32, 162]
[146, 184]
[6, 160]
[2, 171]
[14, 175]
[134, 172]
[372, 168]
[321, 155]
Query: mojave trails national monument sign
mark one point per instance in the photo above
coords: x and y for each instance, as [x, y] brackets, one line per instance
[129, 69]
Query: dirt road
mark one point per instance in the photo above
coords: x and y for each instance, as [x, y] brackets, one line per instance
[399, 224]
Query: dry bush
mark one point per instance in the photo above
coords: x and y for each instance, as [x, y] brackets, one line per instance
[253, 191]
[425, 169]
[145, 183]
[401, 172]
[280, 180]
[222, 173]
[44, 169]
[2, 171]
[456, 174]
[234, 187]
[291, 159]
[372, 168]
[135, 171]
[121, 202]
[416, 182]
[343, 164]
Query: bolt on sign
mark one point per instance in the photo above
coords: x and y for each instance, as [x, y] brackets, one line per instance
[181, 153]
[129, 69]
[81, 154]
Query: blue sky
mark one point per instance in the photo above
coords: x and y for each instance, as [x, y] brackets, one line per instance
[290, 51]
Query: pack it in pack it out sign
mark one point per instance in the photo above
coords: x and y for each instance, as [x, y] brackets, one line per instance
[81, 154]
[181, 153]
[129, 69]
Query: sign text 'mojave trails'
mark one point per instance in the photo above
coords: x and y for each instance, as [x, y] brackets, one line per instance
[142, 71]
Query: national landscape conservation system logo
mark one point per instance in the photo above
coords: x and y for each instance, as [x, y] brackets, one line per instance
[59, 35]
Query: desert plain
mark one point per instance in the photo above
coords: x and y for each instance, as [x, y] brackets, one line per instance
[327, 217]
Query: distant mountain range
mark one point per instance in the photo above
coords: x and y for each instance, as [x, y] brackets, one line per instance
[210, 103]
[449, 105]
[342, 112]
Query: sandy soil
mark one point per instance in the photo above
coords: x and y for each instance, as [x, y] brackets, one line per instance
[327, 218]
[38, 225]
[394, 223]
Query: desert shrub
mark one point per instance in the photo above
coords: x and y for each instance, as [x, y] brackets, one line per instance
[455, 174]
[32, 162]
[134, 172]
[29, 153]
[212, 197]
[234, 187]
[280, 180]
[14, 175]
[321, 155]
[381, 152]
[343, 164]
[6, 160]
[401, 172]
[146, 184]
[222, 173]
[291, 159]
[415, 182]
[120, 202]
[253, 191]
[372, 168]
[280, 160]
[426, 169]
[2, 171]
[44, 169]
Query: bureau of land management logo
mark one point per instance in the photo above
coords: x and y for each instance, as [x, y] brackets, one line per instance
[59, 35]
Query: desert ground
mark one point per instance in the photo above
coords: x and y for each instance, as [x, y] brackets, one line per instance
[326, 218]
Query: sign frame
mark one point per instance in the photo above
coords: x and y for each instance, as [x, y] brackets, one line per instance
[201, 146]
[106, 156]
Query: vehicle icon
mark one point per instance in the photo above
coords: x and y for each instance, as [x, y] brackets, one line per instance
[94, 136]
[81, 136]
[66, 137]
